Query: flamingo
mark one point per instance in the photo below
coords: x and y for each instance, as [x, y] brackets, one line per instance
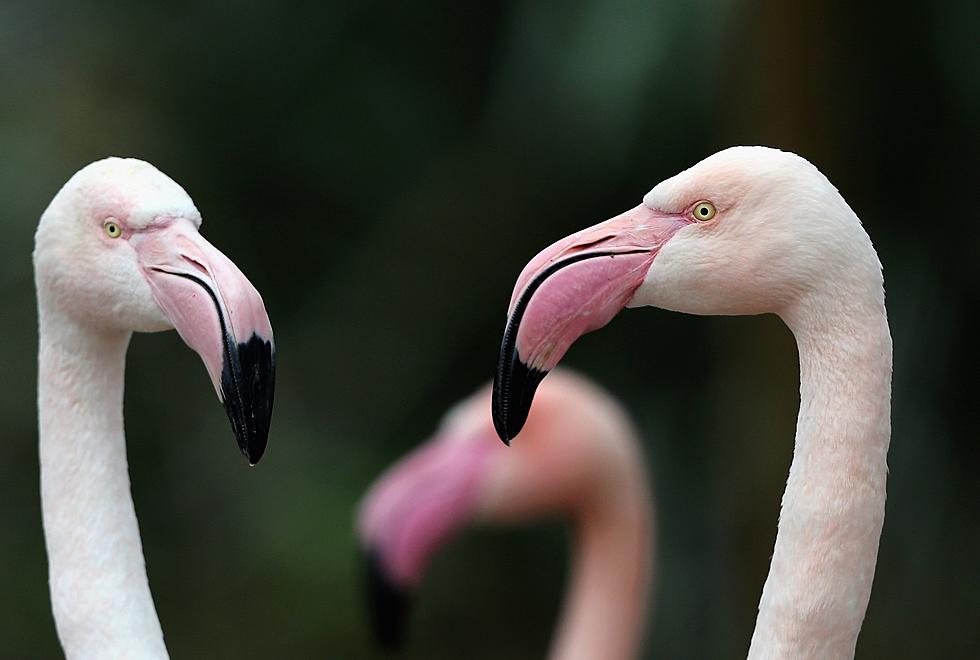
[117, 251]
[748, 230]
[580, 459]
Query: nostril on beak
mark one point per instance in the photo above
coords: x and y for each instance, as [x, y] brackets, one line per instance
[196, 264]
[585, 246]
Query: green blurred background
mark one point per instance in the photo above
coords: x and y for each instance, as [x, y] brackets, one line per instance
[382, 171]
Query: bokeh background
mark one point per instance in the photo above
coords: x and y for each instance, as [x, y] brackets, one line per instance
[382, 171]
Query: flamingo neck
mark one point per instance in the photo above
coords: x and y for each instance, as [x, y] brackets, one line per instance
[833, 508]
[605, 611]
[99, 591]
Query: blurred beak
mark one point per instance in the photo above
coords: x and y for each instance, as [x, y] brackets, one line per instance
[388, 603]
[573, 287]
[220, 315]
[409, 513]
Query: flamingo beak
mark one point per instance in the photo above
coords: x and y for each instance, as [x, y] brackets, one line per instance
[409, 513]
[220, 315]
[575, 286]
[389, 604]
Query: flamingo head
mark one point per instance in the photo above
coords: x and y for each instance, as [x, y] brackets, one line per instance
[464, 475]
[748, 230]
[119, 250]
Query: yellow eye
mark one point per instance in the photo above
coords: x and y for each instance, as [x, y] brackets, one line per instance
[112, 229]
[703, 211]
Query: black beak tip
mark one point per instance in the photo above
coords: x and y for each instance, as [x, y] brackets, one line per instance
[499, 418]
[513, 393]
[251, 445]
[254, 450]
[388, 603]
[248, 382]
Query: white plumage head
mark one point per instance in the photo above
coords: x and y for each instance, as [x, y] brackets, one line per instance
[780, 231]
[118, 250]
[95, 276]
[748, 230]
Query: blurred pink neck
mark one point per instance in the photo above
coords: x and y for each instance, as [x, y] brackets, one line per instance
[605, 611]
[99, 591]
[833, 508]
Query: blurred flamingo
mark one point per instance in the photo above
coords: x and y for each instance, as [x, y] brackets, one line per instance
[580, 459]
[749, 230]
[118, 251]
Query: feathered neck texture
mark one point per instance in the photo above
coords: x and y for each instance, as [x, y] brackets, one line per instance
[99, 592]
[823, 564]
[605, 612]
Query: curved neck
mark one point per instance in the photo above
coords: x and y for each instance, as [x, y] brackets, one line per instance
[606, 608]
[819, 583]
[99, 591]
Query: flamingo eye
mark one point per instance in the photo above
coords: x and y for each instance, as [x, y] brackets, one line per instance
[112, 229]
[703, 211]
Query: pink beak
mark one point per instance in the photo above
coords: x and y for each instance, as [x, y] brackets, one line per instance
[570, 288]
[409, 513]
[220, 315]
